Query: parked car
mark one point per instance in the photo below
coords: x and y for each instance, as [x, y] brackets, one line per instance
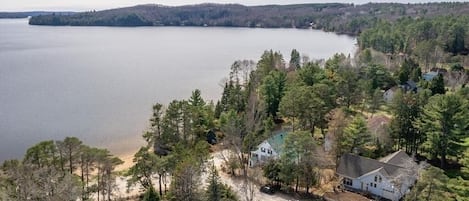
[267, 189]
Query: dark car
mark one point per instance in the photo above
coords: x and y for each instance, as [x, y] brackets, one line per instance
[267, 189]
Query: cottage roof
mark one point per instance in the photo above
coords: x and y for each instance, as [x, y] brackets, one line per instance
[355, 166]
[397, 158]
[277, 140]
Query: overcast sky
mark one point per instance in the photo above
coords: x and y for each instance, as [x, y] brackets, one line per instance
[83, 5]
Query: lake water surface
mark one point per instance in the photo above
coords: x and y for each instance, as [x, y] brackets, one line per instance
[99, 83]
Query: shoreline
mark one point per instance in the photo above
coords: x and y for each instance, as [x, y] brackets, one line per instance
[128, 161]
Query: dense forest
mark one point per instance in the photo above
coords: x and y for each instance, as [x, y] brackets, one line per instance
[339, 18]
[333, 103]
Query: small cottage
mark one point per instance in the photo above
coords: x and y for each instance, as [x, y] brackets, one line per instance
[268, 149]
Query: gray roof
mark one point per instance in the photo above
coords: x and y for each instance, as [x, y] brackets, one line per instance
[397, 158]
[354, 166]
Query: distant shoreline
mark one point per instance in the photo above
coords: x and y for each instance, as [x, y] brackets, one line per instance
[26, 14]
[340, 18]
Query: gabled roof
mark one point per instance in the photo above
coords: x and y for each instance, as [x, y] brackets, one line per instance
[354, 166]
[277, 140]
[397, 158]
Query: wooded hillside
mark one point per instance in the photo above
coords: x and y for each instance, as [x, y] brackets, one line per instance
[335, 17]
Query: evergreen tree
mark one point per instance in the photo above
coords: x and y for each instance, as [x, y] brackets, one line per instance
[271, 171]
[445, 121]
[69, 150]
[416, 74]
[311, 74]
[431, 186]
[457, 38]
[406, 109]
[150, 195]
[348, 91]
[143, 169]
[273, 89]
[295, 59]
[437, 85]
[356, 136]
[405, 72]
[214, 191]
[297, 159]
[366, 56]
[270, 61]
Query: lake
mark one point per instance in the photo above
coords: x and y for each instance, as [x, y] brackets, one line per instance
[99, 83]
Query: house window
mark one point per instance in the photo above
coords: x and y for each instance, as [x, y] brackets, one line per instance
[348, 182]
[269, 151]
[374, 185]
[378, 178]
[262, 149]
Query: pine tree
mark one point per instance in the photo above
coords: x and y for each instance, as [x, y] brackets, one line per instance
[295, 59]
[408, 67]
[356, 135]
[431, 186]
[151, 195]
[445, 121]
[405, 108]
[438, 85]
[214, 191]
[273, 89]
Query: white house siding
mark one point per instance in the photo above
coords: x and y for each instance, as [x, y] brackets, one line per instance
[262, 156]
[383, 189]
[356, 184]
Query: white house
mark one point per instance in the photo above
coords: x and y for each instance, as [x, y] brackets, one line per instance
[390, 177]
[268, 149]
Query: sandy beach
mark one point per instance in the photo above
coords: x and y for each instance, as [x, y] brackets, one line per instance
[128, 161]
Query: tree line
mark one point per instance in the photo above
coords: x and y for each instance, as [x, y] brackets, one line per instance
[60, 170]
[340, 18]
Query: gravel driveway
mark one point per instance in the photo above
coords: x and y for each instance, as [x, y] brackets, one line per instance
[237, 186]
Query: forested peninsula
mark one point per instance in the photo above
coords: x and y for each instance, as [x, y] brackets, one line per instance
[31, 14]
[335, 17]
